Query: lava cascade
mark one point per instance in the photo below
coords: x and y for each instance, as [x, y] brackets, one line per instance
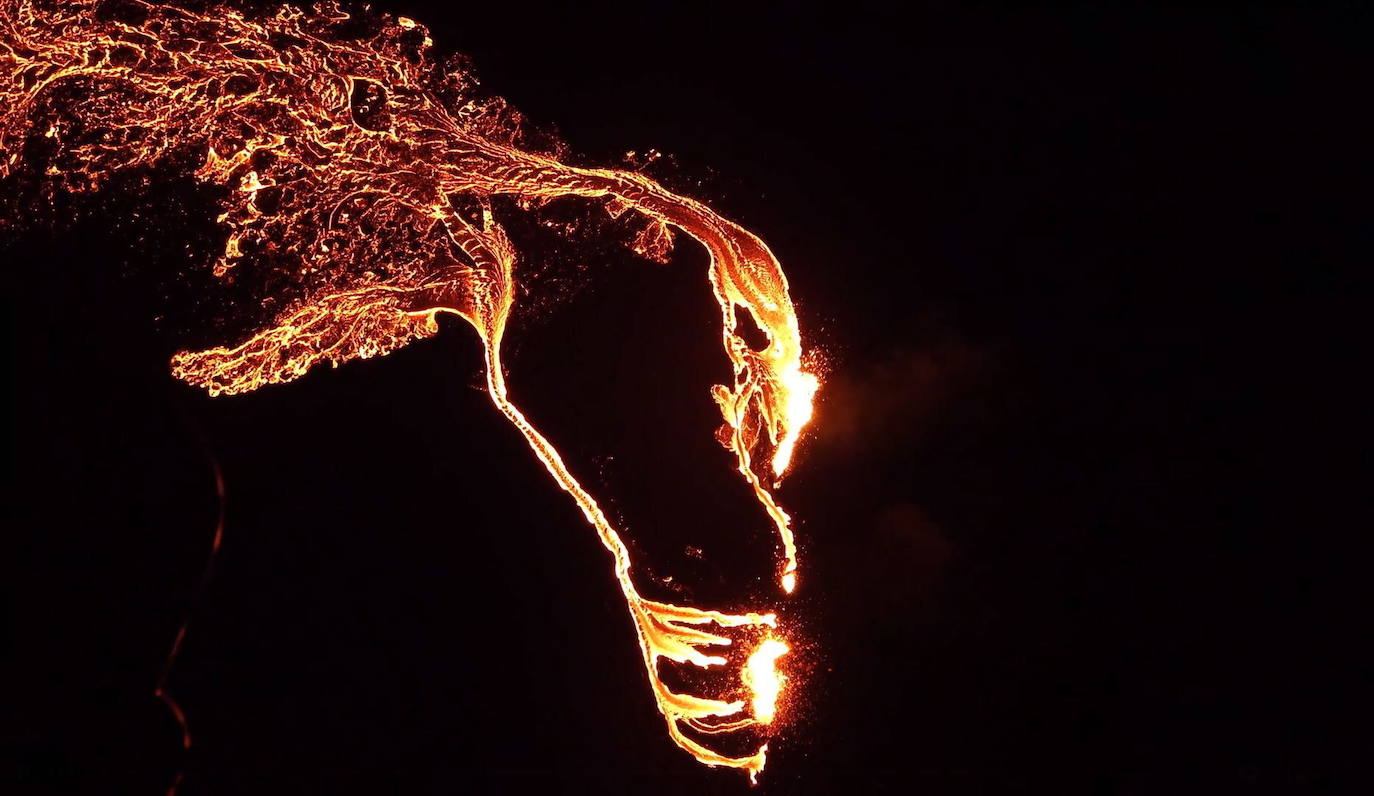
[360, 172]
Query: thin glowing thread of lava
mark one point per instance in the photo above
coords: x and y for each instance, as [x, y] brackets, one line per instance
[661, 630]
[161, 691]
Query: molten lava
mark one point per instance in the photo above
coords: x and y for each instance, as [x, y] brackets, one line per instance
[359, 175]
[761, 676]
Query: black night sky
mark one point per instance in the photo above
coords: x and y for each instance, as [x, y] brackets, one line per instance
[1067, 516]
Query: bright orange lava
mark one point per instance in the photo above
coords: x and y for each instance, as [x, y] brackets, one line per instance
[762, 678]
[360, 173]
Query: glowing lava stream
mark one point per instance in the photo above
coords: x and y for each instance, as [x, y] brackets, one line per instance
[347, 158]
[664, 631]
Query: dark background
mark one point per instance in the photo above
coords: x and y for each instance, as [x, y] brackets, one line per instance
[1070, 514]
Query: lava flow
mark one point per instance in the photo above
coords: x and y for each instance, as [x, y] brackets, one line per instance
[358, 176]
